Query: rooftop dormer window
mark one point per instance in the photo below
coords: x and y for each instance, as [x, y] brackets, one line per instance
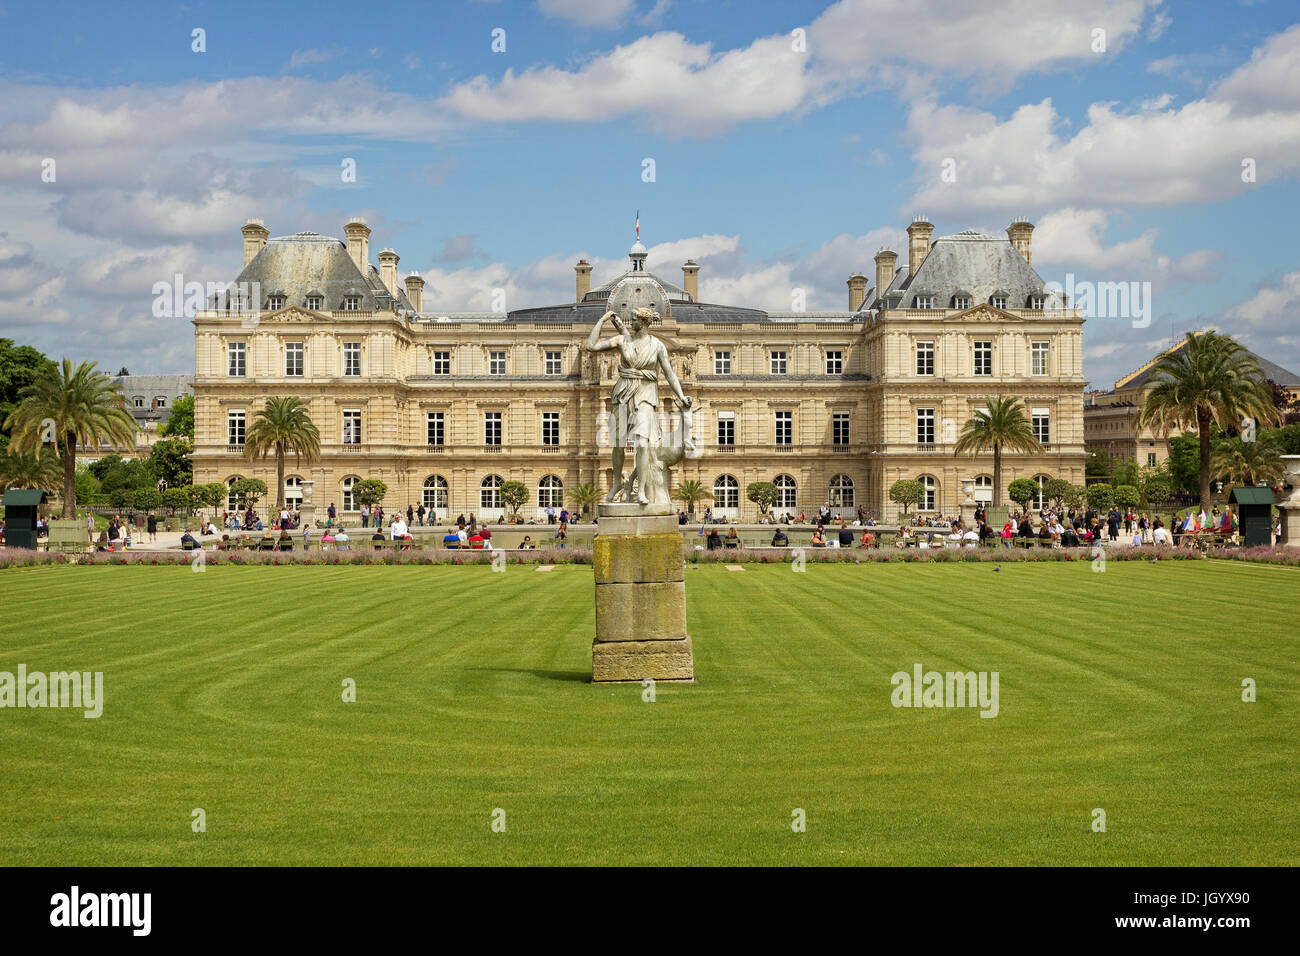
[315, 303]
[961, 301]
[352, 303]
[1037, 302]
[924, 302]
[998, 300]
[275, 302]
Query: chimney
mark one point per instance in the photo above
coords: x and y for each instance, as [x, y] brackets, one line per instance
[918, 234]
[1021, 232]
[388, 271]
[255, 234]
[583, 271]
[857, 291]
[358, 236]
[691, 279]
[886, 263]
[415, 291]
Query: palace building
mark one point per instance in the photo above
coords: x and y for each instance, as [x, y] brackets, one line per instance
[832, 407]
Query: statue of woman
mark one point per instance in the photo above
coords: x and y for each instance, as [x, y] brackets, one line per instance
[635, 400]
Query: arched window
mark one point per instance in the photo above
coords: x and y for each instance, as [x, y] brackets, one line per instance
[349, 503]
[435, 493]
[984, 489]
[929, 493]
[550, 492]
[726, 494]
[232, 502]
[785, 489]
[1040, 500]
[293, 492]
[489, 493]
[842, 492]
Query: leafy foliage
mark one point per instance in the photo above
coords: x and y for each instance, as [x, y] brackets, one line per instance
[906, 492]
[1001, 424]
[762, 493]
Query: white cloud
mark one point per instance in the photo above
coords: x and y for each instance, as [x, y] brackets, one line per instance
[1072, 238]
[308, 57]
[1267, 322]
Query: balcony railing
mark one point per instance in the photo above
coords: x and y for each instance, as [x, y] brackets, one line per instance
[234, 449]
[927, 447]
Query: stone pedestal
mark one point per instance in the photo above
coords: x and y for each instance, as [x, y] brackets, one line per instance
[1290, 523]
[640, 596]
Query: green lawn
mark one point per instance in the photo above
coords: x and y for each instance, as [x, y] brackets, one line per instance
[223, 691]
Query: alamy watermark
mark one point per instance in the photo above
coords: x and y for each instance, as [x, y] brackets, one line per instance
[76, 689]
[177, 298]
[952, 689]
[1106, 300]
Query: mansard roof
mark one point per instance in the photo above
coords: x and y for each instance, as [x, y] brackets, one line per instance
[311, 264]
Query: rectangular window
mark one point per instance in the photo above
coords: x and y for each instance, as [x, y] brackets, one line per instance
[275, 302]
[139, 402]
[840, 428]
[441, 363]
[1036, 301]
[924, 302]
[550, 428]
[1151, 459]
[983, 358]
[236, 353]
[314, 302]
[835, 363]
[1038, 358]
[491, 428]
[785, 428]
[160, 402]
[352, 303]
[998, 301]
[961, 302]
[434, 427]
[778, 363]
[352, 426]
[721, 363]
[496, 363]
[293, 358]
[726, 428]
[1039, 421]
[234, 428]
[924, 358]
[925, 426]
[351, 358]
[554, 363]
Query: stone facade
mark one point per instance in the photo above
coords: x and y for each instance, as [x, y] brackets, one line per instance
[834, 406]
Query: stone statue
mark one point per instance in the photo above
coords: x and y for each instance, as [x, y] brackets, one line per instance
[634, 413]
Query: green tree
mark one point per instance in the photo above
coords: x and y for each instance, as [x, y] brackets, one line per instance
[691, 492]
[122, 499]
[89, 491]
[148, 499]
[906, 492]
[1238, 462]
[1156, 490]
[176, 499]
[38, 468]
[1210, 382]
[1000, 424]
[1022, 491]
[75, 406]
[1098, 464]
[283, 425]
[515, 494]
[180, 423]
[1101, 496]
[169, 460]
[763, 494]
[1125, 472]
[1057, 490]
[369, 492]
[214, 495]
[248, 491]
[20, 366]
[1287, 438]
[1127, 496]
[584, 496]
[1076, 496]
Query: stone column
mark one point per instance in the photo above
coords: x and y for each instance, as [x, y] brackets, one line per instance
[640, 596]
[1290, 507]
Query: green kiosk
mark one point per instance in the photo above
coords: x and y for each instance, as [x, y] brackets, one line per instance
[20, 517]
[1254, 514]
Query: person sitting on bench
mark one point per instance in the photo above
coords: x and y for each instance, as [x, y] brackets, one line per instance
[780, 539]
[188, 542]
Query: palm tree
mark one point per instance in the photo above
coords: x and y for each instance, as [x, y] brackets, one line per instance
[1209, 381]
[282, 425]
[71, 406]
[1247, 463]
[691, 492]
[1000, 424]
[584, 495]
[31, 469]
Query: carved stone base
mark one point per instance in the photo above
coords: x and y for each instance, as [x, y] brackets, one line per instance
[639, 567]
[1290, 524]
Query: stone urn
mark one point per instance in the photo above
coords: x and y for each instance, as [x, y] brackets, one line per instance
[1291, 476]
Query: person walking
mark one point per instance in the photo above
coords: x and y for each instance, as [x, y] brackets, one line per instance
[151, 526]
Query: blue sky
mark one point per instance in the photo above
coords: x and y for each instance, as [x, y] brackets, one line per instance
[777, 164]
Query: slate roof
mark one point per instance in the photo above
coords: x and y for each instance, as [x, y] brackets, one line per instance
[1148, 372]
[968, 263]
[309, 263]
